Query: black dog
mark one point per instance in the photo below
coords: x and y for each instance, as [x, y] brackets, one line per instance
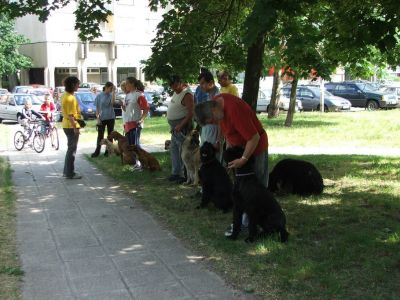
[296, 177]
[215, 182]
[253, 198]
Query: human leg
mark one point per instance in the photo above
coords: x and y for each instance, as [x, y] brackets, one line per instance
[72, 144]
[100, 136]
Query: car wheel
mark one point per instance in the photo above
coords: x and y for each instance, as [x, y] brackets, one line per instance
[19, 119]
[1, 120]
[372, 105]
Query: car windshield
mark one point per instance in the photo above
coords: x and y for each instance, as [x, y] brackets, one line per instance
[86, 98]
[365, 87]
[20, 99]
[39, 92]
[316, 90]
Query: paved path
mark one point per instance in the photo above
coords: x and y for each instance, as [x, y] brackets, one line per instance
[85, 239]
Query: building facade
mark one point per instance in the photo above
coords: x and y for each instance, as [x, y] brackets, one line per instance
[57, 51]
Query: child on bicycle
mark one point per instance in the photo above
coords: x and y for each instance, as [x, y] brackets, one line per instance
[28, 114]
[47, 109]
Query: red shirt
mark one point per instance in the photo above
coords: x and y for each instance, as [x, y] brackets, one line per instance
[46, 108]
[240, 123]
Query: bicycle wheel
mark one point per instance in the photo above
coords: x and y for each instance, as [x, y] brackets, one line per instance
[19, 140]
[55, 143]
[39, 142]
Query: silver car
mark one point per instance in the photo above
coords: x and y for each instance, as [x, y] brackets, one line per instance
[11, 105]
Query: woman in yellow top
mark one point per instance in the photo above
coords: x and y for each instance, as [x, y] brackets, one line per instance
[227, 87]
[71, 113]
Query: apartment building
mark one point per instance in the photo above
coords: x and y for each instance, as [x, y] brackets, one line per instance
[57, 52]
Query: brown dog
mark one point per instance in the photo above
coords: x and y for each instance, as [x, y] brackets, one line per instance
[147, 160]
[191, 156]
[111, 147]
[128, 156]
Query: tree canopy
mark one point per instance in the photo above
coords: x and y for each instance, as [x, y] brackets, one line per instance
[10, 59]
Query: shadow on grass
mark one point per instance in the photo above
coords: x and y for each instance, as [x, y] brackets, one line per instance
[343, 244]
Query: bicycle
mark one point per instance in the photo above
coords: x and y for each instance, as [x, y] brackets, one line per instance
[31, 133]
[50, 131]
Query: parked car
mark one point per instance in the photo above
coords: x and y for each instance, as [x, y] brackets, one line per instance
[264, 100]
[362, 94]
[86, 104]
[3, 91]
[11, 105]
[395, 90]
[21, 89]
[41, 93]
[310, 98]
[58, 91]
[155, 110]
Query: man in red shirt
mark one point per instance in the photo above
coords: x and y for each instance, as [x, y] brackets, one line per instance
[241, 127]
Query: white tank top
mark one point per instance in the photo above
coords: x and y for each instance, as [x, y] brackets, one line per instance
[176, 110]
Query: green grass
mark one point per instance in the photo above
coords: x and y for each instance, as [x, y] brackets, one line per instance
[343, 244]
[378, 129]
[10, 272]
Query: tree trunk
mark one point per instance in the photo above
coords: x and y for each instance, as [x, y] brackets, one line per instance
[273, 110]
[252, 76]
[292, 104]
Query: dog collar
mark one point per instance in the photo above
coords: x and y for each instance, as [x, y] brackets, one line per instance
[244, 174]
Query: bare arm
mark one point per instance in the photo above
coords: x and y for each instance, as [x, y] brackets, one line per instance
[251, 145]
[187, 101]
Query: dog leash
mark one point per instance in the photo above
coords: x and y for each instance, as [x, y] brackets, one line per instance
[245, 174]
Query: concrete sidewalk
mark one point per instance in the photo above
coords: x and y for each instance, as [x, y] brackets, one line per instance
[85, 239]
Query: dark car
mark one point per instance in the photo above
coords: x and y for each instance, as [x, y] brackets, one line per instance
[157, 106]
[310, 98]
[362, 94]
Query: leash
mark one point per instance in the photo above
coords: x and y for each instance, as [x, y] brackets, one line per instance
[244, 174]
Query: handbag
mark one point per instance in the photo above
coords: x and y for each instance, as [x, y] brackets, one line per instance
[81, 123]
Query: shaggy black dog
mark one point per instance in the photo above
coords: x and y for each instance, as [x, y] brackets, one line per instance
[295, 177]
[215, 182]
[253, 198]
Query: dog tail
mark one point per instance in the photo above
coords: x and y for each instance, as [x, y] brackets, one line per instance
[284, 235]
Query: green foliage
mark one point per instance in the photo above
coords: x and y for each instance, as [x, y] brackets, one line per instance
[10, 59]
[197, 33]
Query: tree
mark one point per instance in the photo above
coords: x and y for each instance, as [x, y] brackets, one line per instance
[10, 60]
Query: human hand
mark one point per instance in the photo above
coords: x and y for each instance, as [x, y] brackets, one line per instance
[178, 128]
[237, 163]
[76, 131]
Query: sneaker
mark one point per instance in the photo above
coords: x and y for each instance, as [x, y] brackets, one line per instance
[75, 176]
[229, 230]
[95, 154]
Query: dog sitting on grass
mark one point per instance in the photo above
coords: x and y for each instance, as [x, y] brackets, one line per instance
[215, 182]
[296, 176]
[190, 155]
[147, 160]
[111, 147]
[250, 196]
[128, 156]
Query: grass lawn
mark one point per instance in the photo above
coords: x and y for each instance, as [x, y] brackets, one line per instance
[10, 272]
[342, 244]
[311, 129]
